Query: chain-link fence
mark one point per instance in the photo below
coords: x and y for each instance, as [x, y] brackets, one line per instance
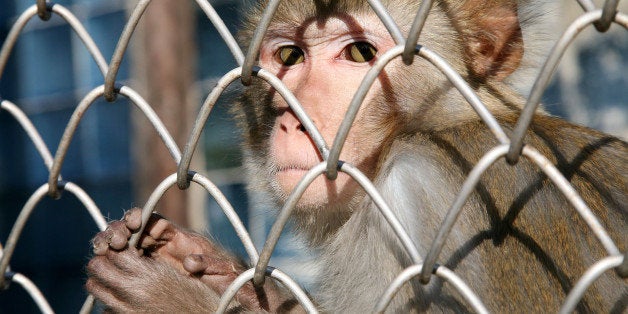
[407, 48]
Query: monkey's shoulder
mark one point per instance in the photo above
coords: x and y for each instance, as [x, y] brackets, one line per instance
[596, 164]
[572, 139]
[436, 164]
[559, 140]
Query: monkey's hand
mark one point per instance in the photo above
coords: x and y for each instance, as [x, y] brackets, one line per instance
[127, 282]
[167, 269]
[161, 240]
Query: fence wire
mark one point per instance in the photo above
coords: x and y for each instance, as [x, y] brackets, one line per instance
[510, 148]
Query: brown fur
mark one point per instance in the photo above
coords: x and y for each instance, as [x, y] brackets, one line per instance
[517, 223]
[518, 243]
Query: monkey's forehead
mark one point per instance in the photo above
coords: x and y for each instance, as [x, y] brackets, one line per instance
[315, 28]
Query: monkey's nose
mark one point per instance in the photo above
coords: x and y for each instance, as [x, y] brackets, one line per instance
[288, 122]
[299, 127]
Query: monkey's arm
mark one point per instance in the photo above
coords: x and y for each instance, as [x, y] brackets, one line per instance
[171, 269]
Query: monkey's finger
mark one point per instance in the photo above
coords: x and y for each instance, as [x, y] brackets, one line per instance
[113, 263]
[220, 274]
[215, 272]
[133, 219]
[162, 229]
[99, 291]
[119, 235]
[126, 261]
[102, 271]
[118, 241]
[119, 226]
[101, 241]
[196, 263]
[147, 242]
[155, 230]
[107, 296]
[158, 229]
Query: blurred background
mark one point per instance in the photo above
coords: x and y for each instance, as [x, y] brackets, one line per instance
[176, 57]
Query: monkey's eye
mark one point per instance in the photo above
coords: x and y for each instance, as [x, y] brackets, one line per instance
[361, 51]
[290, 55]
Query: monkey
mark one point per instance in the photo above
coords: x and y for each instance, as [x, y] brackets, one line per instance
[518, 243]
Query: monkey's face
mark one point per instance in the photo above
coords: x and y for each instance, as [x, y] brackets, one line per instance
[322, 63]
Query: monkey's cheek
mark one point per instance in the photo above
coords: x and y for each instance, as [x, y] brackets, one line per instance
[320, 193]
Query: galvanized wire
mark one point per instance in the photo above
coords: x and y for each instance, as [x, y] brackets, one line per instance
[546, 73]
[593, 273]
[256, 41]
[42, 10]
[34, 292]
[131, 25]
[80, 110]
[211, 100]
[76, 25]
[291, 202]
[223, 31]
[406, 49]
[370, 77]
[121, 46]
[171, 180]
[28, 209]
[388, 21]
[474, 177]
[30, 130]
[415, 31]
[456, 208]
[442, 272]
[587, 5]
[280, 276]
[28, 285]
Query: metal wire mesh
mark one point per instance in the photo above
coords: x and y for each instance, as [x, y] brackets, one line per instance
[509, 147]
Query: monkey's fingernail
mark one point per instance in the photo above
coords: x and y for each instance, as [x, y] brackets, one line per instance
[195, 263]
[99, 247]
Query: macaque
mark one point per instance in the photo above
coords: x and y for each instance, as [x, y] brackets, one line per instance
[518, 244]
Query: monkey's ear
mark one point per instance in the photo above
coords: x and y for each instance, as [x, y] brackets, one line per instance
[492, 37]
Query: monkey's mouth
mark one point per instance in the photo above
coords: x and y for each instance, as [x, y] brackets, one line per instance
[292, 169]
[291, 173]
